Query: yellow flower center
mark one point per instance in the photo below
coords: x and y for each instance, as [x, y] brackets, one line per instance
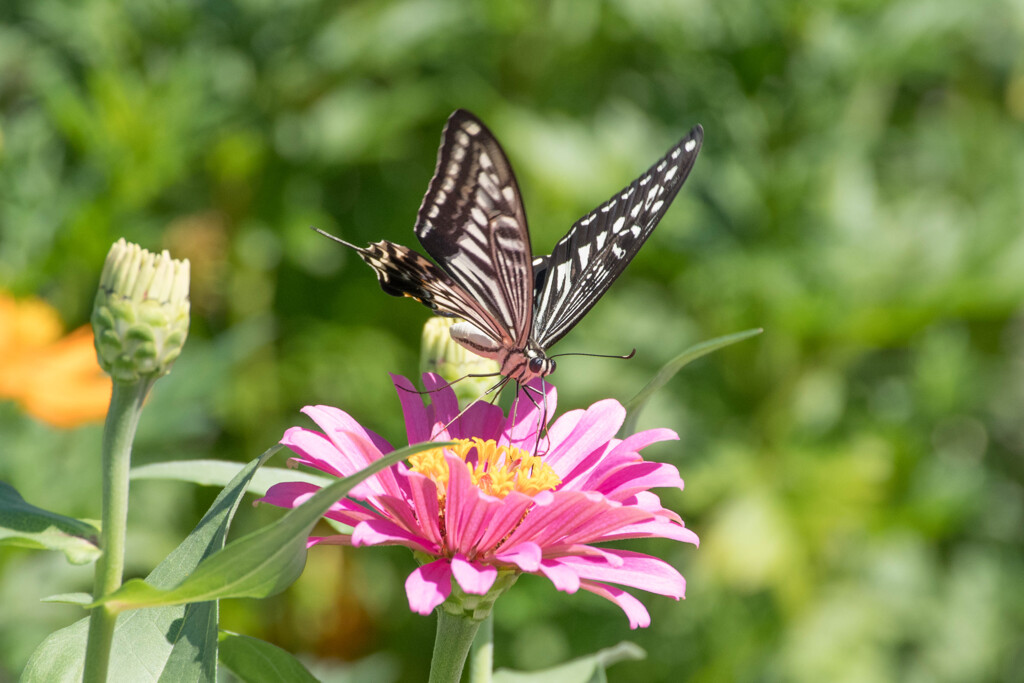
[496, 470]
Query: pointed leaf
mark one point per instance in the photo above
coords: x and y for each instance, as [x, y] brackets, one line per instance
[260, 564]
[167, 643]
[25, 525]
[255, 661]
[588, 669]
[669, 370]
[81, 599]
[220, 472]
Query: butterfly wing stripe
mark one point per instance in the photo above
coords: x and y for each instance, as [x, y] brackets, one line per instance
[403, 272]
[473, 224]
[597, 248]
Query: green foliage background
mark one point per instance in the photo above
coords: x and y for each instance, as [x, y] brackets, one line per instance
[855, 473]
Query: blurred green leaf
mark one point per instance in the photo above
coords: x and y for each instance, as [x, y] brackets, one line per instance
[220, 472]
[172, 643]
[82, 599]
[669, 370]
[258, 565]
[588, 669]
[254, 660]
[25, 525]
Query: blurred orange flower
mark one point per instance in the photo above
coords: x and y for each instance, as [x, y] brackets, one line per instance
[53, 378]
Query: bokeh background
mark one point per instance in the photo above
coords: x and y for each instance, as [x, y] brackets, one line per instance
[855, 472]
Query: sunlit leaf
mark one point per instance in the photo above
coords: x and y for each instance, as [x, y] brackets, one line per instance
[25, 525]
[220, 472]
[255, 661]
[588, 669]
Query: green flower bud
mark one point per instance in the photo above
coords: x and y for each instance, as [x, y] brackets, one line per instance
[442, 355]
[140, 319]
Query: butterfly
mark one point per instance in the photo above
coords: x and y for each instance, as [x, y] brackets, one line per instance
[513, 306]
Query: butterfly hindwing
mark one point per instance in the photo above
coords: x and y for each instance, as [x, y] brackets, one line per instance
[597, 248]
[473, 224]
[403, 272]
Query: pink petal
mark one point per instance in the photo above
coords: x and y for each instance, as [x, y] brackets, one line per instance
[444, 405]
[481, 419]
[417, 425]
[315, 450]
[637, 570]
[630, 479]
[656, 528]
[634, 609]
[289, 494]
[384, 532]
[338, 419]
[423, 497]
[475, 578]
[563, 577]
[507, 517]
[428, 586]
[595, 429]
[526, 556]
[635, 443]
[468, 511]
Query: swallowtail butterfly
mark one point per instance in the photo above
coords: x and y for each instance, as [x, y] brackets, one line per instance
[472, 222]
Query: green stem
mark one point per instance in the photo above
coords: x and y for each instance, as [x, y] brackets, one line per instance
[481, 658]
[454, 636]
[118, 433]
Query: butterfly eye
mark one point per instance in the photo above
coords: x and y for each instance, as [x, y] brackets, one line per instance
[537, 366]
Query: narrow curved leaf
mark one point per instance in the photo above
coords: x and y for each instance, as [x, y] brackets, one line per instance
[25, 525]
[254, 661]
[588, 669]
[669, 370]
[220, 472]
[260, 564]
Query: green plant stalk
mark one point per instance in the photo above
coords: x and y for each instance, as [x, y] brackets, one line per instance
[481, 657]
[118, 434]
[454, 637]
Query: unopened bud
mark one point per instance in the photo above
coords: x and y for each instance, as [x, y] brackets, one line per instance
[140, 319]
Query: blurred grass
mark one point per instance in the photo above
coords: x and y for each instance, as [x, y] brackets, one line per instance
[855, 472]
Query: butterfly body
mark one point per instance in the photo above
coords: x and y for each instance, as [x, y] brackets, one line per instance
[472, 223]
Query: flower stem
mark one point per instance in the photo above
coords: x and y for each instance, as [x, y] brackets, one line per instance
[118, 433]
[481, 658]
[454, 636]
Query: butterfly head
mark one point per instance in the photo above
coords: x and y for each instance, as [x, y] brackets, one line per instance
[538, 364]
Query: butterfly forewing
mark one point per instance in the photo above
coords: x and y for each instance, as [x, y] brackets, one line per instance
[403, 272]
[600, 245]
[473, 224]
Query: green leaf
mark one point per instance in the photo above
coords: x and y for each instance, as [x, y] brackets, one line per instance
[25, 525]
[167, 643]
[260, 564]
[669, 370]
[220, 472]
[588, 669]
[81, 599]
[255, 661]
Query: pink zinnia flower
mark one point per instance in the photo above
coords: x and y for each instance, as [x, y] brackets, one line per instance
[488, 504]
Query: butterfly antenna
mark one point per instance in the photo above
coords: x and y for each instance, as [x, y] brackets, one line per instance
[424, 392]
[335, 238]
[597, 355]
